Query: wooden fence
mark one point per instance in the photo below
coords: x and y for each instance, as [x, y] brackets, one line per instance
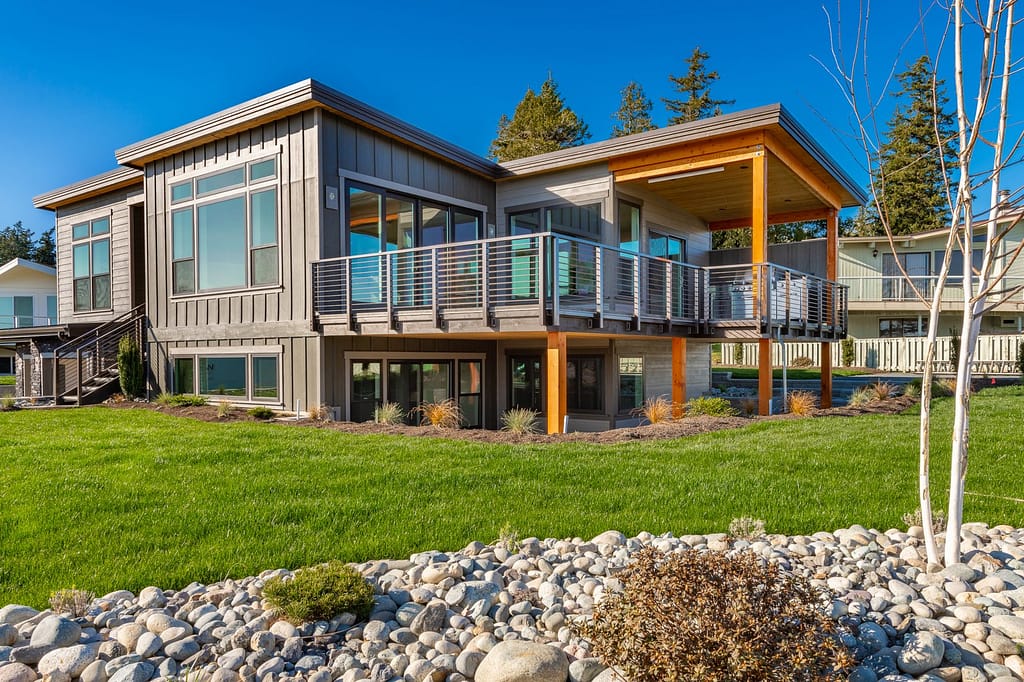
[996, 354]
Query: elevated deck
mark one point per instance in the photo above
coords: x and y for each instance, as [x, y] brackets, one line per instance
[541, 282]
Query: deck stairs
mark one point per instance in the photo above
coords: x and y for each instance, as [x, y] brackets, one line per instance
[85, 368]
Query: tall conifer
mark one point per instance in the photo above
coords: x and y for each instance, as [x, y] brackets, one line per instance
[541, 123]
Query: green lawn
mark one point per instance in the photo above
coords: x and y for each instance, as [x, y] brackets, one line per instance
[7, 380]
[792, 373]
[102, 498]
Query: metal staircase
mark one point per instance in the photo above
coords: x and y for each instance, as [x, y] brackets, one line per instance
[85, 368]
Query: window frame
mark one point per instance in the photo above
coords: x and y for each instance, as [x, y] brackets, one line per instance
[93, 237]
[196, 200]
[197, 355]
[570, 399]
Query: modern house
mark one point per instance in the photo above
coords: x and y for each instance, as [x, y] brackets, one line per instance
[303, 248]
[28, 301]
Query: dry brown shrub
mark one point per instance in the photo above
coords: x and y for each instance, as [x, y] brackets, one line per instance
[802, 403]
[802, 361]
[883, 390]
[657, 410]
[320, 413]
[749, 406]
[716, 618]
[444, 414]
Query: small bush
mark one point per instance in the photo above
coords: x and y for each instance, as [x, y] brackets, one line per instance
[180, 400]
[716, 354]
[801, 361]
[711, 407]
[8, 403]
[320, 413]
[657, 410]
[716, 618]
[71, 601]
[1020, 358]
[912, 390]
[444, 414]
[954, 347]
[847, 351]
[519, 420]
[129, 367]
[749, 406]
[862, 396]
[320, 593]
[802, 403]
[737, 353]
[882, 390]
[508, 537]
[261, 412]
[223, 409]
[944, 388]
[746, 528]
[914, 519]
[390, 414]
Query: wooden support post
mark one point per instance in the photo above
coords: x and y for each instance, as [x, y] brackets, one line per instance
[831, 256]
[678, 376]
[557, 396]
[764, 376]
[759, 254]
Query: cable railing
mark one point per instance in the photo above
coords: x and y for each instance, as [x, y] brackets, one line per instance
[553, 276]
[93, 354]
[897, 288]
[26, 321]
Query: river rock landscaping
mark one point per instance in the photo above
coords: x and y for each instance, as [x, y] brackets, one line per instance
[508, 612]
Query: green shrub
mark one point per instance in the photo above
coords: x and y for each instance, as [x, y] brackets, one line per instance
[712, 407]
[519, 420]
[390, 414]
[848, 351]
[320, 593]
[223, 409]
[180, 400]
[714, 617]
[1020, 357]
[954, 347]
[737, 353]
[7, 403]
[261, 412]
[912, 390]
[129, 367]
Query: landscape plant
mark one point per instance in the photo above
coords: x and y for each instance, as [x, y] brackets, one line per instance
[737, 353]
[180, 400]
[712, 617]
[223, 409]
[261, 412]
[848, 351]
[519, 420]
[802, 403]
[710, 407]
[320, 593]
[657, 410]
[8, 403]
[130, 371]
[319, 413]
[442, 414]
[746, 528]
[801, 362]
[882, 390]
[1020, 358]
[389, 414]
[71, 601]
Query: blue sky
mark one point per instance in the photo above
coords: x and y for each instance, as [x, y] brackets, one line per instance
[81, 79]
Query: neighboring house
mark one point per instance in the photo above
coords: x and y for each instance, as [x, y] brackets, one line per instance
[306, 249]
[28, 299]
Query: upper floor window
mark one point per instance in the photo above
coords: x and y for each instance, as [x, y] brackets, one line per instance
[15, 312]
[569, 219]
[90, 256]
[224, 231]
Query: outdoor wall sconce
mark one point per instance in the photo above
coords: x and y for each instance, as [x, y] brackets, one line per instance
[874, 253]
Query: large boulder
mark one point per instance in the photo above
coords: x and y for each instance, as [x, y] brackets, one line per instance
[72, 660]
[921, 652]
[520, 661]
[12, 614]
[56, 631]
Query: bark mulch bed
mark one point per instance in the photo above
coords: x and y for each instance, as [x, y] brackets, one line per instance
[688, 426]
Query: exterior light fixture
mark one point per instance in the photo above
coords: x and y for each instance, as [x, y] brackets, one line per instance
[874, 253]
[687, 174]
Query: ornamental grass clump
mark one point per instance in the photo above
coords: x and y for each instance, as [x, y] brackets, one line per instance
[320, 593]
[657, 410]
[714, 617]
[444, 414]
[802, 403]
[519, 421]
[710, 407]
[389, 414]
[71, 601]
[802, 361]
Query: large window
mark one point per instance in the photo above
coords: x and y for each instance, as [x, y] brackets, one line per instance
[6, 364]
[224, 229]
[582, 220]
[631, 384]
[411, 383]
[901, 326]
[381, 220]
[251, 377]
[90, 264]
[15, 312]
[584, 384]
[894, 286]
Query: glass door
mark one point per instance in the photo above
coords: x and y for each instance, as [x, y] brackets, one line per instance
[364, 238]
[413, 383]
[525, 381]
[366, 390]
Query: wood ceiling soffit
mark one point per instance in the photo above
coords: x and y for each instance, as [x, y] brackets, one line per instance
[821, 188]
[690, 151]
[773, 219]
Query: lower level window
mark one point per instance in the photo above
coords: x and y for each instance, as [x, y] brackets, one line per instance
[631, 384]
[6, 365]
[411, 383]
[897, 327]
[243, 377]
[583, 383]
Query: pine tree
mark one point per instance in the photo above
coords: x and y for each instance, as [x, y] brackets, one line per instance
[45, 250]
[909, 178]
[696, 86]
[15, 242]
[634, 114]
[541, 123]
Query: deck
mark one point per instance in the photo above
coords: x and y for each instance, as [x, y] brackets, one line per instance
[545, 281]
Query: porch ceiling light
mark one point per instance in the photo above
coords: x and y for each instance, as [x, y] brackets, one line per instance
[687, 174]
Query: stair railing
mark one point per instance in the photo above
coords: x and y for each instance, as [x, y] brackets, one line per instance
[82, 359]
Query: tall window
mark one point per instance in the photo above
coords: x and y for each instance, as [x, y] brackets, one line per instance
[15, 312]
[894, 286]
[629, 240]
[380, 220]
[584, 383]
[582, 220]
[90, 264]
[631, 384]
[224, 231]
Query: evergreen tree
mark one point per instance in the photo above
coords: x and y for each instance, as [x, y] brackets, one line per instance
[634, 114]
[909, 178]
[45, 250]
[15, 242]
[696, 86]
[541, 123]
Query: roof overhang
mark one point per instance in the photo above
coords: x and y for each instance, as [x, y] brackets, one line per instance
[17, 263]
[303, 96]
[112, 180]
[54, 331]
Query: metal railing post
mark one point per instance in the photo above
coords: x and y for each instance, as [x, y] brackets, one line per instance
[485, 294]
[668, 291]
[78, 364]
[599, 285]
[541, 267]
[636, 289]
[556, 282]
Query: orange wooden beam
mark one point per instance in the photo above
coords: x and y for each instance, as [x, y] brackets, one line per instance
[678, 375]
[759, 254]
[685, 165]
[823, 189]
[687, 151]
[773, 219]
[764, 376]
[557, 396]
[831, 258]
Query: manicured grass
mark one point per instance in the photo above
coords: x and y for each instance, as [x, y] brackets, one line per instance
[792, 372]
[104, 498]
[7, 380]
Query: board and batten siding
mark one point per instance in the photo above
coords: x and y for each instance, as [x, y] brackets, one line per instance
[662, 216]
[584, 185]
[365, 155]
[294, 142]
[116, 206]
